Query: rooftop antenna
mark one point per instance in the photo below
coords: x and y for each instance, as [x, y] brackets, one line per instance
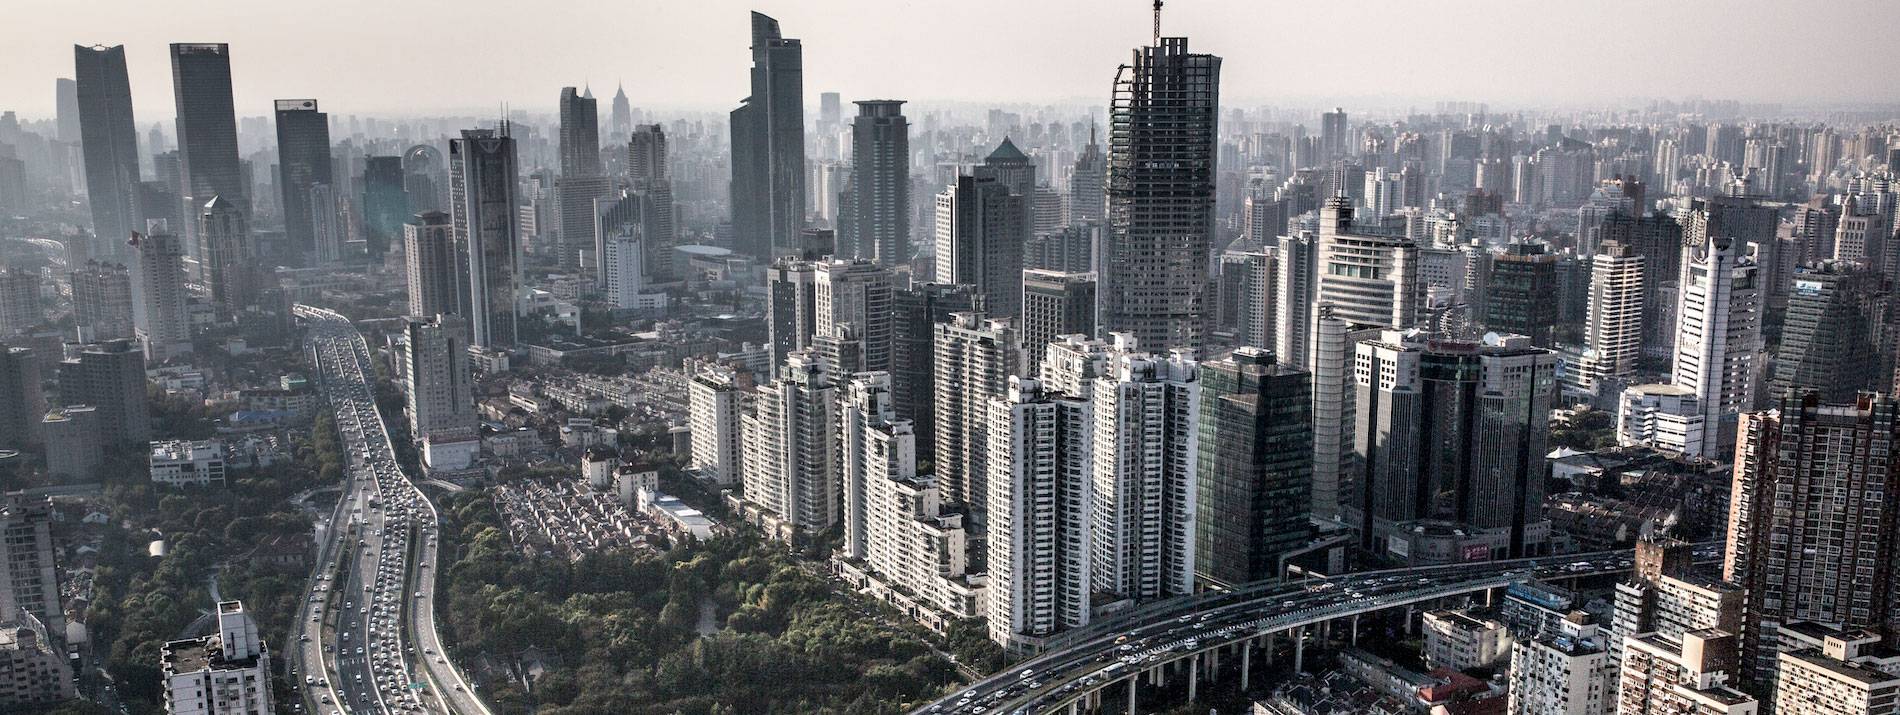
[1157, 23]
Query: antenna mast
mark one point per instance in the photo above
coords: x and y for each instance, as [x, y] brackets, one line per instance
[1157, 42]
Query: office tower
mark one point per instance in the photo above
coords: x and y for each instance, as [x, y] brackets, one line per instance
[1055, 303]
[33, 668]
[1087, 197]
[385, 204]
[226, 256]
[1295, 280]
[1381, 193]
[1613, 330]
[790, 448]
[1147, 435]
[1865, 238]
[482, 203]
[109, 141]
[1333, 364]
[1038, 541]
[102, 301]
[30, 582]
[713, 399]
[303, 163]
[973, 360]
[21, 404]
[1664, 675]
[1334, 141]
[1452, 434]
[1846, 674]
[1718, 334]
[1072, 249]
[434, 269]
[918, 310]
[1243, 294]
[1658, 239]
[580, 133]
[1369, 279]
[879, 230]
[791, 307]
[620, 117]
[440, 390]
[861, 294]
[894, 521]
[1830, 342]
[1810, 520]
[981, 231]
[225, 673]
[19, 300]
[1521, 292]
[111, 377]
[768, 146]
[206, 129]
[1161, 155]
[1255, 468]
[158, 295]
[1263, 219]
[330, 215]
[581, 180]
[647, 167]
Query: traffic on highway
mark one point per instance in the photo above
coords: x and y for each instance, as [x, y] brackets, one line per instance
[370, 607]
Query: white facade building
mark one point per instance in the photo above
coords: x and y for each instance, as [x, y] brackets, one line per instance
[1613, 330]
[1147, 436]
[226, 673]
[791, 446]
[1564, 673]
[713, 399]
[184, 463]
[1718, 336]
[1666, 417]
[1039, 469]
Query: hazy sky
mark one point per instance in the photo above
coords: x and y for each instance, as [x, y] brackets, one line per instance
[437, 56]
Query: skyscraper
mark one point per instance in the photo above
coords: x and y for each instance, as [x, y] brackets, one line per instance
[1811, 510]
[207, 129]
[440, 390]
[1369, 279]
[859, 294]
[1450, 439]
[791, 446]
[303, 163]
[1038, 541]
[433, 268]
[647, 167]
[880, 184]
[768, 146]
[1162, 141]
[1055, 303]
[791, 307]
[1613, 331]
[581, 181]
[1520, 292]
[713, 404]
[981, 230]
[482, 184]
[158, 294]
[1334, 141]
[385, 204]
[1087, 202]
[620, 117]
[109, 140]
[1830, 341]
[1147, 411]
[580, 134]
[974, 359]
[102, 301]
[21, 402]
[226, 255]
[918, 311]
[1256, 467]
[30, 582]
[1718, 334]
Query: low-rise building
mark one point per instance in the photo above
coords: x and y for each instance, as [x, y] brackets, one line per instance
[1463, 640]
[178, 463]
[32, 671]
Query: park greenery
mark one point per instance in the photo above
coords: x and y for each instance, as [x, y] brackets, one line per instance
[733, 625]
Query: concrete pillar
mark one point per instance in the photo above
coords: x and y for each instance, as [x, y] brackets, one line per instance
[1131, 695]
[1246, 665]
[1194, 677]
[1075, 707]
[1355, 629]
[1299, 649]
[1271, 637]
[1325, 631]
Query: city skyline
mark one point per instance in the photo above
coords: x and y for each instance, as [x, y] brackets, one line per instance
[1595, 55]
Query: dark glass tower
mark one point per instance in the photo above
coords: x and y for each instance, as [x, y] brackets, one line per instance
[768, 146]
[303, 163]
[385, 203]
[482, 181]
[109, 140]
[1256, 466]
[880, 181]
[1162, 142]
[207, 127]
